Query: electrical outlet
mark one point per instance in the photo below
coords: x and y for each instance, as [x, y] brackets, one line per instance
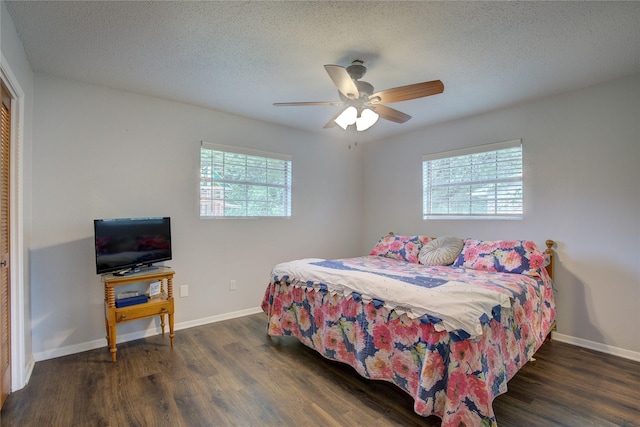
[184, 291]
[232, 285]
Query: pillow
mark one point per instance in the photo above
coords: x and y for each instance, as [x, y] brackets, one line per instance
[441, 251]
[402, 248]
[505, 256]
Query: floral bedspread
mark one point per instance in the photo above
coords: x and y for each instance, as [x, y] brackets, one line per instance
[449, 373]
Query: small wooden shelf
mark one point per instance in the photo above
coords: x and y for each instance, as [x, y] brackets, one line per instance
[157, 306]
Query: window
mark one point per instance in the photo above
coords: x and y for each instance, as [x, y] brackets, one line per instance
[237, 182]
[479, 182]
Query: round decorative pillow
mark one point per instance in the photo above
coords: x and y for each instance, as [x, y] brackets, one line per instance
[441, 251]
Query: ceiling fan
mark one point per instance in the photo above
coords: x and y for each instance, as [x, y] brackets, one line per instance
[363, 107]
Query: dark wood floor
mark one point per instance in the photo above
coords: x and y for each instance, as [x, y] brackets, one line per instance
[231, 374]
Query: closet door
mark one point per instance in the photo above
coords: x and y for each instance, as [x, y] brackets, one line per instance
[5, 286]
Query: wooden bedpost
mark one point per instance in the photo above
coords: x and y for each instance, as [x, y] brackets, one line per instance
[551, 254]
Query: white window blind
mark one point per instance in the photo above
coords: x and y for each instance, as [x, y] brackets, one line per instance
[237, 182]
[480, 182]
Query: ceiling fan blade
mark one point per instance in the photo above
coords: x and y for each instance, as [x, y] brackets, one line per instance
[343, 81]
[391, 114]
[405, 93]
[331, 123]
[306, 104]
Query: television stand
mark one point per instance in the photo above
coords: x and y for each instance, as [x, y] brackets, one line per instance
[156, 306]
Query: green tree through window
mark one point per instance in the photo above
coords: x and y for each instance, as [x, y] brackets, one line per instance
[237, 182]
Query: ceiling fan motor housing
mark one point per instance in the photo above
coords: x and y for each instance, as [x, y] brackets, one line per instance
[357, 70]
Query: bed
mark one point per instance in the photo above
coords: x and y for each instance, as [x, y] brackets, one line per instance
[447, 320]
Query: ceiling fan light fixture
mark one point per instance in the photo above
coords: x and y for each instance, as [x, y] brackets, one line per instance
[367, 119]
[347, 117]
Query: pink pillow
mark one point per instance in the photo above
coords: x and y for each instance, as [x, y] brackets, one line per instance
[402, 248]
[505, 256]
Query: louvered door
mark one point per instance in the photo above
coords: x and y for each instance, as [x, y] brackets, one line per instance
[5, 294]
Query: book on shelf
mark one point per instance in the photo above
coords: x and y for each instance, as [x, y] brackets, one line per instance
[137, 299]
[127, 294]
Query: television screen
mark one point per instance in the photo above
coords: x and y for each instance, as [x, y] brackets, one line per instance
[129, 243]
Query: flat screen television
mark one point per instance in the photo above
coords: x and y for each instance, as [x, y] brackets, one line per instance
[125, 245]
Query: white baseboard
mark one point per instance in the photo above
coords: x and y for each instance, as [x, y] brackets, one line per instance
[603, 348]
[219, 318]
[28, 369]
[91, 345]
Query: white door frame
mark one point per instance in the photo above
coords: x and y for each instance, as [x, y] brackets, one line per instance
[21, 363]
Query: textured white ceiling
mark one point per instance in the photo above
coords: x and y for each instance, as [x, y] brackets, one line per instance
[241, 57]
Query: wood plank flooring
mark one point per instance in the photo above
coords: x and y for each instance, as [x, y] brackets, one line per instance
[231, 374]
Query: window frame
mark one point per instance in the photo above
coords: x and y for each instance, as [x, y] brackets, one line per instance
[248, 152]
[427, 190]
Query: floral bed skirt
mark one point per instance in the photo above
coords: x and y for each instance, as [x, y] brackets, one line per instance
[454, 379]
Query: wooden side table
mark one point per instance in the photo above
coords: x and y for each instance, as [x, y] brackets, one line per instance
[157, 306]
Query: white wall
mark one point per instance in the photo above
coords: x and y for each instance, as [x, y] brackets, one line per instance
[102, 153]
[582, 189]
[16, 67]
